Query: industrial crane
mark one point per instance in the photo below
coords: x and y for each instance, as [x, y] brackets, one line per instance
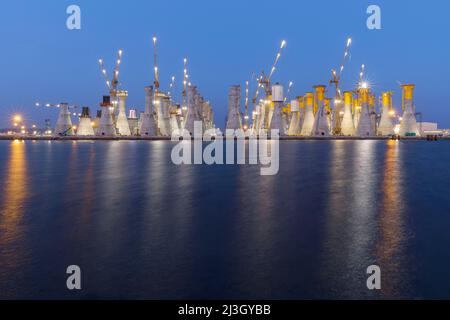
[335, 80]
[265, 81]
[291, 83]
[112, 85]
[155, 63]
[336, 76]
[185, 81]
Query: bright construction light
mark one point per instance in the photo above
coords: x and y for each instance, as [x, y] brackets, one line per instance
[17, 118]
[392, 113]
[364, 85]
[349, 42]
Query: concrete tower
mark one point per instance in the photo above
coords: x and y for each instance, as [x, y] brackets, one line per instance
[190, 113]
[386, 127]
[162, 106]
[321, 124]
[122, 125]
[294, 126]
[147, 124]
[364, 128]
[309, 118]
[347, 126]
[106, 127]
[85, 125]
[64, 122]
[234, 117]
[408, 125]
[174, 126]
[277, 117]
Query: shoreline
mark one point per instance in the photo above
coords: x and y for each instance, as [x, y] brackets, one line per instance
[136, 138]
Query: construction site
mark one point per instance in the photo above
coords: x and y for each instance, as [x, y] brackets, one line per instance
[326, 112]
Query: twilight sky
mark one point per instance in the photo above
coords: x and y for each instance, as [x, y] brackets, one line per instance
[225, 42]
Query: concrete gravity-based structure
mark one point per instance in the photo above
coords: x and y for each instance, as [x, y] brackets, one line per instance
[122, 125]
[309, 117]
[64, 122]
[234, 121]
[85, 125]
[386, 127]
[347, 124]
[408, 124]
[191, 111]
[365, 127]
[321, 124]
[147, 124]
[294, 126]
[106, 127]
[277, 123]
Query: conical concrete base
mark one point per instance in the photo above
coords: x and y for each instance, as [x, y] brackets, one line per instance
[106, 127]
[85, 127]
[122, 125]
[148, 125]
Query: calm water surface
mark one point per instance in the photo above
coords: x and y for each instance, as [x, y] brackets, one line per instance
[141, 227]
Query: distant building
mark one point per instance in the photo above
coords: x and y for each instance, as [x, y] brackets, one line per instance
[429, 128]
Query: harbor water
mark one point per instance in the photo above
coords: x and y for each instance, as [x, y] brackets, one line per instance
[141, 227]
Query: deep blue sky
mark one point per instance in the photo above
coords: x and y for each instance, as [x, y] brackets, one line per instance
[225, 42]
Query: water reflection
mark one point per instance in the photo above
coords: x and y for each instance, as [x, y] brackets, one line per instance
[390, 248]
[12, 207]
[350, 229]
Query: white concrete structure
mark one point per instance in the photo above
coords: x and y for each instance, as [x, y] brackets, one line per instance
[234, 120]
[85, 125]
[386, 127]
[408, 124]
[277, 117]
[364, 127]
[122, 125]
[294, 126]
[64, 122]
[321, 124]
[147, 124]
[190, 113]
[162, 106]
[309, 117]
[347, 125]
[106, 126]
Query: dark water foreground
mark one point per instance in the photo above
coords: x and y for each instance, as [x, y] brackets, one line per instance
[141, 227]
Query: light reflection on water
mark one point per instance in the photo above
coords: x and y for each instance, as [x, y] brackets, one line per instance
[141, 227]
